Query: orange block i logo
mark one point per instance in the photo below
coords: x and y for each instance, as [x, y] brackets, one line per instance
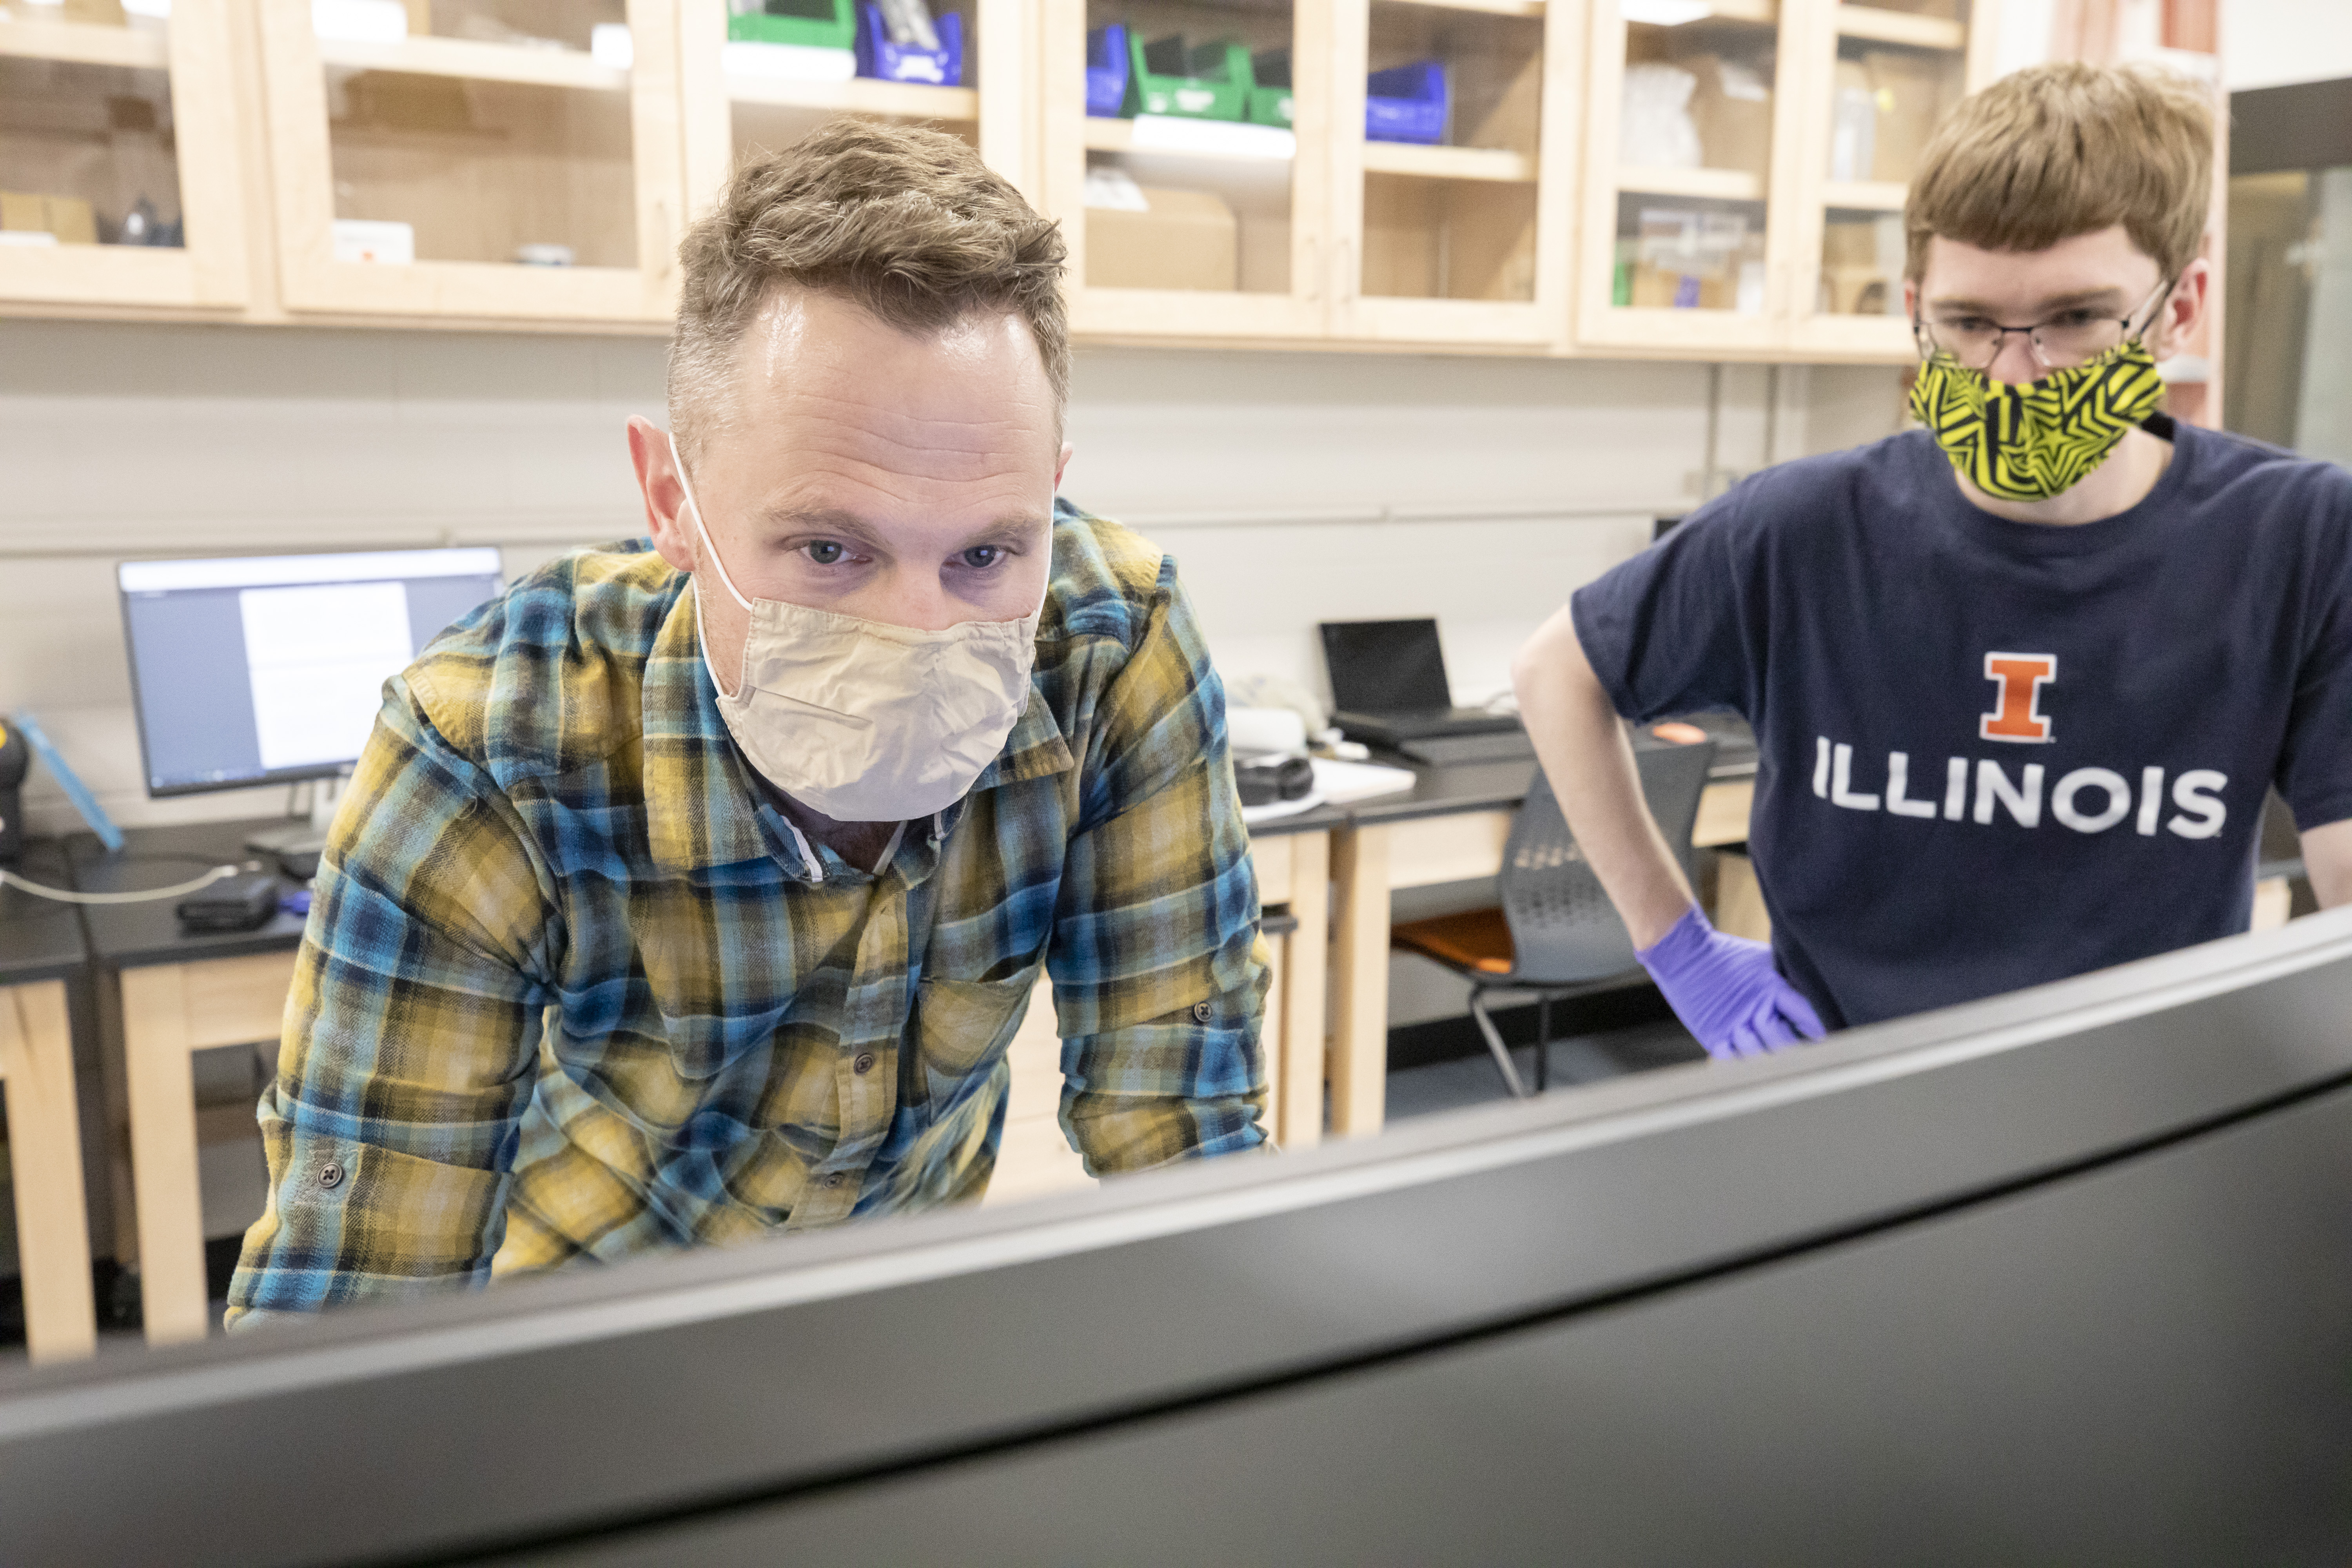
[2017, 715]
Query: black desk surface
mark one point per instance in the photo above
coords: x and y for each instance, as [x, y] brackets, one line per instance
[131, 936]
[41, 939]
[1444, 789]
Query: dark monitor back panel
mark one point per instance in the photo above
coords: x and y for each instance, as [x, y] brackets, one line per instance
[2136, 1363]
[1385, 666]
[694, 1392]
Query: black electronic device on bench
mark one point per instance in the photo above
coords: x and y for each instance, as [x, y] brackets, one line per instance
[1389, 686]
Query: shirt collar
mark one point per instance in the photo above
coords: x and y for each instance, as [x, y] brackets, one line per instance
[701, 808]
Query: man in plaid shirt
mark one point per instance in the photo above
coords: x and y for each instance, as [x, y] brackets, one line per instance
[688, 894]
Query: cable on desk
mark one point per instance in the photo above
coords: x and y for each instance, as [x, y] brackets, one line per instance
[10, 879]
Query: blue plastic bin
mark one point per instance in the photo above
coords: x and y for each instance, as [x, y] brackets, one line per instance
[881, 59]
[1406, 103]
[1106, 68]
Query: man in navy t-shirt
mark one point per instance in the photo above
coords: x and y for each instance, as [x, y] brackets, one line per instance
[2021, 679]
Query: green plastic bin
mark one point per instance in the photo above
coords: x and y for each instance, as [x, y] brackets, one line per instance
[1211, 81]
[809, 23]
[1270, 100]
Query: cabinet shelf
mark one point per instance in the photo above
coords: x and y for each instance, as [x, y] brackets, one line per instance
[1900, 27]
[1191, 138]
[1714, 184]
[1490, 7]
[1683, 13]
[1865, 195]
[78, 44]
[473, 61]
[1448, 163]
[861, 95]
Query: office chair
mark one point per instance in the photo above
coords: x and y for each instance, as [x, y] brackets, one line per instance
[1557, 934]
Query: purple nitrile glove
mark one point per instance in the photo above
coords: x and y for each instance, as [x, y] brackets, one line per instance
[1726, 990]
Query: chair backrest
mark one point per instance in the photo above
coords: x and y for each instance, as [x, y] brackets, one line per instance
[1563, 927]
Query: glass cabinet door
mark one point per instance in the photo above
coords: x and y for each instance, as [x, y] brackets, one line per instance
[1187, 158]
[1453, 168]
[759, 75]
[1882, 77]
[118, 156]
[1688, 121]
[476, 159]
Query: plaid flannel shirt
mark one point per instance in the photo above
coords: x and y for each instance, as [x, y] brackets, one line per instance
[572, 988]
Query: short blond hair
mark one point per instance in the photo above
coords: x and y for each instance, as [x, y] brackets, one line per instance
[2056, 150]
[906, 223]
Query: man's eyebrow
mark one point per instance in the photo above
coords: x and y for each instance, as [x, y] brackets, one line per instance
[2076, 299]
[832, 522]
[1015, 526]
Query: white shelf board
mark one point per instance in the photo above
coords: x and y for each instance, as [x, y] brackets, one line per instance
[1448, 163]
[863, 95]
[473, 61]
[1718, 184]
[78, 43]
[1901, 27]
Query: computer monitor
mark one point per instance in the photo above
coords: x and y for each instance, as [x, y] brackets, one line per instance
[1385, 666]
[2054, 1277]
[270, 668]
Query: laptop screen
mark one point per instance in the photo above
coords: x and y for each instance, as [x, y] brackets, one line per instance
[1385, 666]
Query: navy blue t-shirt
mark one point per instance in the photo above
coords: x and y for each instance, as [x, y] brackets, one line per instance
[1995, 754]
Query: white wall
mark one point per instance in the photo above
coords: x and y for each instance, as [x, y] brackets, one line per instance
[1505, 485]
[2270, 43]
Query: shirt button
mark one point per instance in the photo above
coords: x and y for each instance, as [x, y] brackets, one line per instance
[331, 1174]
[834, 1180]
[1200, 1011]
[864, 1064]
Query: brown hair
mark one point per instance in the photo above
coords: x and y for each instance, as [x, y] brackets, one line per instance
[2055, 151]
[908, 223]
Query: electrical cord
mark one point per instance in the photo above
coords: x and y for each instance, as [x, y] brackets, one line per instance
[10, 879]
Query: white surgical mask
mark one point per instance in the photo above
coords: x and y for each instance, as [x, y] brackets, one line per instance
[863, 720]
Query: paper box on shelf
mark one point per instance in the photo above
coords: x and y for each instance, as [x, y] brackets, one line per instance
[1909, 90]
[1732, 109]
[1183, 239]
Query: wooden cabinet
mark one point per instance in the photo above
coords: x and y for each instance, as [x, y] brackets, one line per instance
[1746, 164]
[494, 162]
[1182, 226]
[1462, 237]
[1709, 179]
[120, 143]
[736, 102]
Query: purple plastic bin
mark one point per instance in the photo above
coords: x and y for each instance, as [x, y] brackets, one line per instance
[1406, 103]
[878, 57]
[1106, 68]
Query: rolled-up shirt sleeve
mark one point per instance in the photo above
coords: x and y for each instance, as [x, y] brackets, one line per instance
[411, 1032]
[1159, 977]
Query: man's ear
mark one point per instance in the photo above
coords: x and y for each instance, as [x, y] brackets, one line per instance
[665, 495]
[1910, 299]
[1062, 466]
[2183, 312]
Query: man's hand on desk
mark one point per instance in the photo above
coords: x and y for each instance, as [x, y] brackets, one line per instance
[1726, 990]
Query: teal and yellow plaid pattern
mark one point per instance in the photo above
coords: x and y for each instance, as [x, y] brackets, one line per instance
[572, 988]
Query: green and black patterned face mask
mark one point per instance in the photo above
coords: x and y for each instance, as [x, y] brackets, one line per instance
[2028, 443]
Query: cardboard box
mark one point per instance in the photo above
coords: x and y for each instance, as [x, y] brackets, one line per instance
[1732, 109]
[1187, 239]
[1909, 90]
[68, 217]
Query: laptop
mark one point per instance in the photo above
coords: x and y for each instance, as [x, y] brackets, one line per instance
[1387, 683]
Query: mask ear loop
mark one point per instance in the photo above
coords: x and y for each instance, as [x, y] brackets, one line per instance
[701, 642]
[702, 532]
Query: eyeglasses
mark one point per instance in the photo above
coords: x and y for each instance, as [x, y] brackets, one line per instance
[2068, 338]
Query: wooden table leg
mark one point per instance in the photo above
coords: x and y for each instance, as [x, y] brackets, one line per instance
[1359, 957]
[1304, 1040]
[163, 1092]
[45, 1166]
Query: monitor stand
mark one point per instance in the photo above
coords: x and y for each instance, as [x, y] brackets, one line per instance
[296, 838]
